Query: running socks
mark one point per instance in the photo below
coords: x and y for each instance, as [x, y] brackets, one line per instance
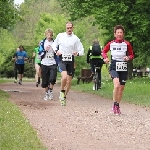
[116, 104]
[63, 91]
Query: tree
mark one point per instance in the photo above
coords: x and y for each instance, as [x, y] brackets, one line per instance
[134, 15]
[8, 14]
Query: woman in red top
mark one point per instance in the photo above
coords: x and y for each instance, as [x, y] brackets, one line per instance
[121, 52]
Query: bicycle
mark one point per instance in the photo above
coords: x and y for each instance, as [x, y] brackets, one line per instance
[96, 80]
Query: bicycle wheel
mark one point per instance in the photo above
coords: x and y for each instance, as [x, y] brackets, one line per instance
[96, 81]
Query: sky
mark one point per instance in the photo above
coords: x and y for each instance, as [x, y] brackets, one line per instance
[18, 1]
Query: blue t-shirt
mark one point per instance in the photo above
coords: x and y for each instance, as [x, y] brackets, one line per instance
[20, 57]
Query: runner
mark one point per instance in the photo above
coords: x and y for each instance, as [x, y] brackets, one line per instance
[48, 64]
[69, 46]
[121, 52]
[21, 57]
[37, 62]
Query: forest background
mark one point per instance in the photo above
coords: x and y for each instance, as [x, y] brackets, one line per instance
[25, 25]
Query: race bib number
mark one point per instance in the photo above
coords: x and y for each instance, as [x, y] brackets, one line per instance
[121, 66]
[49, 56]
[20, 57]
[66, 57]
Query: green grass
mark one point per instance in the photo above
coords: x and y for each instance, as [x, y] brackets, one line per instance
[4, 80]
[16, 133]
[137, 91]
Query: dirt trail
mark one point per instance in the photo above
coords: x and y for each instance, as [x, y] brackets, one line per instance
[85, 123]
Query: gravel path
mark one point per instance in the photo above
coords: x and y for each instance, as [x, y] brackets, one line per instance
[85, 123]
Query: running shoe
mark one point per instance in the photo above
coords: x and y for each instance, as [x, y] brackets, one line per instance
[118, 112]
[46, 97]
[62, 96]
[15, 81]
[113, 110]
[51, 95]
[20, 82]
[37, 84]
[63, 102]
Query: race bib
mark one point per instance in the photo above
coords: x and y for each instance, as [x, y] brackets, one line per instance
[50, 56]
[20, 57]
[66, 57]
[121, 66]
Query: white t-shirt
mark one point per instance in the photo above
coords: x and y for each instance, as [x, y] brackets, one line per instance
[48, 60]
[68, 44]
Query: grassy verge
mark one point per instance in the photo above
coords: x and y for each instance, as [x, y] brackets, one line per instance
[137, 91]
[16, 133]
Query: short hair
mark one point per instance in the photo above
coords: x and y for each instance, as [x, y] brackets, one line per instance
[21, 46]
[119, 27]
[49, 31]
[95, 41]
[69, 22]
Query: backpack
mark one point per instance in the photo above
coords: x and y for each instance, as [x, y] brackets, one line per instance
[96, 50]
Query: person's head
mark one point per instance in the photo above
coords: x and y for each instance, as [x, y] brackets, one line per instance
[119, 32]
[49, 34]
[21, 48]
[95, 41]
[69, 28]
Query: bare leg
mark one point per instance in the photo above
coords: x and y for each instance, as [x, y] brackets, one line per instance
[116, 88]
[68, 85]
[38, 72]
[63, 79]
[51, 86]
[120, 92]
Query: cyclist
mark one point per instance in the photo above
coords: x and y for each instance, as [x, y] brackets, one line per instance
[121, 52]
[94, 58]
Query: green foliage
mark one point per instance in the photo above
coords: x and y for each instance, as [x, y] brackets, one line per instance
[8, 14]
[133, 15]
[7, 44]
[7, 49]
[54, 21]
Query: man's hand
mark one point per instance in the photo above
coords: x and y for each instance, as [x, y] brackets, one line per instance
[47, 48]
[126, 58]
[75, 53]
[106, 60]
[58, 53]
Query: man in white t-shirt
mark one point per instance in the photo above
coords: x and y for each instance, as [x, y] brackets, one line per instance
[48, 64]
[69, 46]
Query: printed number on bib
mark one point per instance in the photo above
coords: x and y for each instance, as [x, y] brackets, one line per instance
[121, 66]
[67, 57]
[49, 56]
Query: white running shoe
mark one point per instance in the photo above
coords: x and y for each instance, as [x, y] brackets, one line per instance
[46, 97]
[15, 81]
[20, 82]
[61, 96]
[51, 95]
